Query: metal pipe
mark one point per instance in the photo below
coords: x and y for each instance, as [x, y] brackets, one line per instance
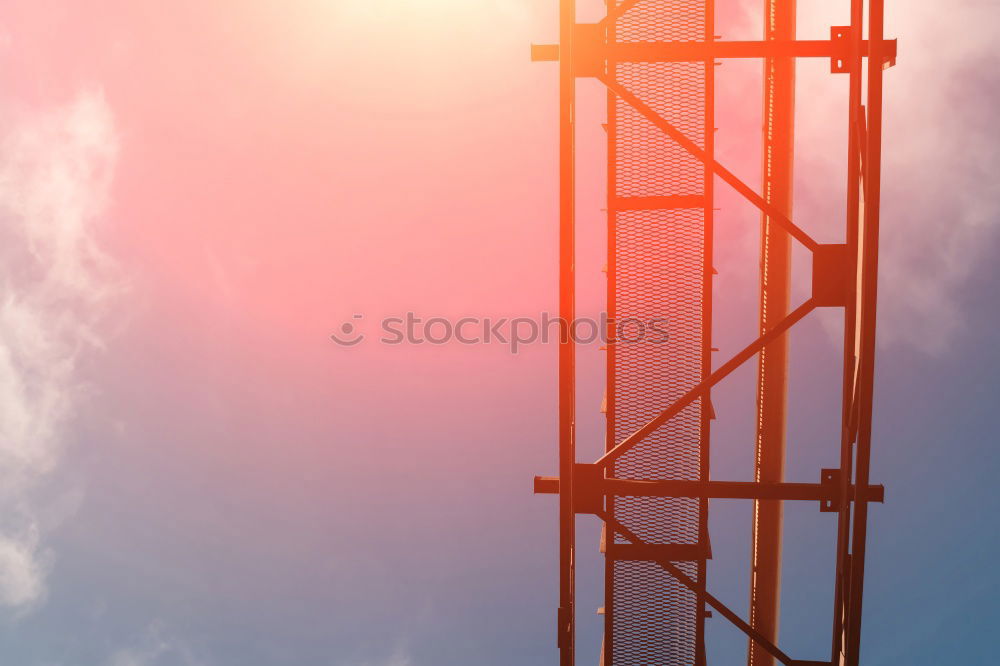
[775, 294]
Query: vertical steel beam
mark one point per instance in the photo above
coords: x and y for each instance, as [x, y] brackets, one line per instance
[611, 271]
[567, 352]
[853, 210]
[775, 293]
[869, 287]
[708, 271]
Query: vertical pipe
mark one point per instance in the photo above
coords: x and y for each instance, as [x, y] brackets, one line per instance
[567, 378]
[772, 386]
[869, 285]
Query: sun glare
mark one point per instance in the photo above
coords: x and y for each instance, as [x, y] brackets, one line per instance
[430, 13]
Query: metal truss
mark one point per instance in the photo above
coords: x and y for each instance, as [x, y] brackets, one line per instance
[660, 192]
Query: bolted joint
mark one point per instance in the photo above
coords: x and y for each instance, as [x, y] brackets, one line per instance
[588, 488]
[841, 62]
[830, 479]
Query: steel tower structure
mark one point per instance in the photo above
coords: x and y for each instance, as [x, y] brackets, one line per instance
[651, 488]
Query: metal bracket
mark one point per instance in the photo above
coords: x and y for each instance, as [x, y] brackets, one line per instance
[588, 488]
[841, 36]
[830, 275]
[588, 495]
[562, 626]
[830, 477]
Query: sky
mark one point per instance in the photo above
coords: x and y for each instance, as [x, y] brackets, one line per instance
[195, 195]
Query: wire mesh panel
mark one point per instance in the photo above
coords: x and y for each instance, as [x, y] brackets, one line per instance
[657, 268]
[653, 615]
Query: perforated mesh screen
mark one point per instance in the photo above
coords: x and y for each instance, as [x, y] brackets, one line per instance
[658, 272]
[652, 615]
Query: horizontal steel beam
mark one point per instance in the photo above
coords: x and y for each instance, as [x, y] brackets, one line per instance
[810, 492]
[591, 50]
[675, 552]
[699, 51]
[667, 202]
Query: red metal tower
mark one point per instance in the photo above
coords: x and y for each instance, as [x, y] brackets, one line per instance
[652, 486]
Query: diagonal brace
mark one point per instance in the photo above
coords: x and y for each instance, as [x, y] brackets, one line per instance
[616, 12]
[702, 387]
[704, 595]
[711, 164]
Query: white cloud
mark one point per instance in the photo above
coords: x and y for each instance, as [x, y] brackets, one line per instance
[940, 193]
[56, 169]
[397, 658]
[155, 648]
[941, 165]
[22, 571]
[941, 197]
